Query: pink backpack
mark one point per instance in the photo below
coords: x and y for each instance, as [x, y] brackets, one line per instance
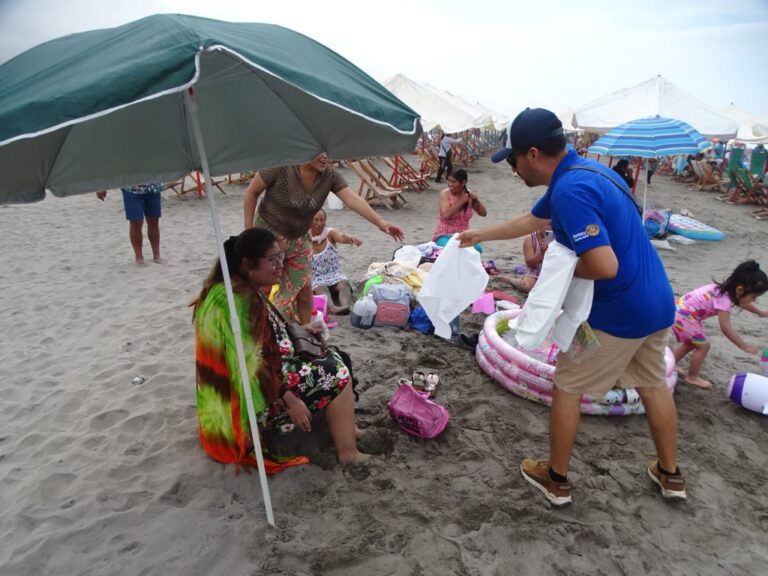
[416, 414]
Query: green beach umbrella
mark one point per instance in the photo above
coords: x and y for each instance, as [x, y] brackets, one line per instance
[158, 98]
[108, 108]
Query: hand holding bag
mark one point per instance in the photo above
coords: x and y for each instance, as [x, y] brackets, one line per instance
[305, 345]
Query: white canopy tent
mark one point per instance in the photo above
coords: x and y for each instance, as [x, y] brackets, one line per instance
[736, 113]
[753, 130]
[435, 109]
[500, 121]
[748, 131]
[567, 118]
[654, 97]
[481, 118]
[760, 127]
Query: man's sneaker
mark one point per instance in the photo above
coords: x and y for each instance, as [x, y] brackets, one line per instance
[537, 474]
[672, 485]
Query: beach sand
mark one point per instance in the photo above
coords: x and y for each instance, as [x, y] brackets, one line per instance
[102, 473]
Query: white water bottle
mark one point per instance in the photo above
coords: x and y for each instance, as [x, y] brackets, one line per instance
[319, 322]
[364, 312]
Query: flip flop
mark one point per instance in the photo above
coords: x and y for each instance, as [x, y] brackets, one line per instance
[418, 381]
[433, 380]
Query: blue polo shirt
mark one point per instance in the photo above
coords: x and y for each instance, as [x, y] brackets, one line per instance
[587, 211]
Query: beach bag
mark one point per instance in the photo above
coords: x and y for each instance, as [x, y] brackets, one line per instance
[393, 304]
[420, 321]
[305, 346]
[415, 414]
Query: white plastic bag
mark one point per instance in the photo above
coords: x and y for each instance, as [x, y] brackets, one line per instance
[455, 281]
[555, 288]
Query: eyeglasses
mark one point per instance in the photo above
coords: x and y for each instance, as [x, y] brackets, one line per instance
[512, 159]
[276, 259]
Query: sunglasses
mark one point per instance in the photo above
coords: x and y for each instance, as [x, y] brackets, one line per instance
[276, 259]
[512, 160]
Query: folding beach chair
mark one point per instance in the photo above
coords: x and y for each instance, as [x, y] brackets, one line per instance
[372, 191]
[404, 175]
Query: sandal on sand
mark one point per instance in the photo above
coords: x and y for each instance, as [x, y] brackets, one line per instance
[433, 380]
[418, 381]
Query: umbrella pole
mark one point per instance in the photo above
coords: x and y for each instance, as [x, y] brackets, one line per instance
[189, 97]
[645, 192]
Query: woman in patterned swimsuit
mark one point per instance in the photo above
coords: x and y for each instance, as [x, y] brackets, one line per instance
[327, 278]
[457, 204]
[284, 388]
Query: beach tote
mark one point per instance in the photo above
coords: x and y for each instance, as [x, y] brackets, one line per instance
[393, 304]
[415, 414]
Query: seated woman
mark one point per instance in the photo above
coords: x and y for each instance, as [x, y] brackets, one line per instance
[327, 278]
[534, 248]
[622, 169]
[284, 388]
[457, 204]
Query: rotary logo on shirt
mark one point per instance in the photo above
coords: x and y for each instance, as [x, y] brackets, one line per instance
[590, 231]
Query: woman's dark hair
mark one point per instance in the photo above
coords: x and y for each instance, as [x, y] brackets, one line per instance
[747, 275]
[253, 243]
[461, 175]
[621, 165]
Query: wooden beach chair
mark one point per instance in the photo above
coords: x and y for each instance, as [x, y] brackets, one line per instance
[198, 184]
[748, 188]
[241, 178]
[404, 175]
[429, 161]
[707, 179]
[372, 192]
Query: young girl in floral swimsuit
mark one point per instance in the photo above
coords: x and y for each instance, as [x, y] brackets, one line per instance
[740, 289]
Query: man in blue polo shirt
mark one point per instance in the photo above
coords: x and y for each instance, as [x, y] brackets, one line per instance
[593, 213]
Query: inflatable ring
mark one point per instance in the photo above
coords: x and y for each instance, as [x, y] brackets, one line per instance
[530, 377]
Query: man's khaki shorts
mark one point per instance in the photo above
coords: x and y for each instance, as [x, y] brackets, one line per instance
[619, 362]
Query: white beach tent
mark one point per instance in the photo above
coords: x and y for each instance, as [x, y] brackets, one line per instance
[500, 121]
[748, 124]
[434, 109]
[567, 119]
[753, 130]
[736, 113]
[654, 97]
[760, 128]
[481, 119]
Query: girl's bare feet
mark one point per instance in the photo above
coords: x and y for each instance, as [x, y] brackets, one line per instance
[697, 381]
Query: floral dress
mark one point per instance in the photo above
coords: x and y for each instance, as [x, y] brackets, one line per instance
[316, 382]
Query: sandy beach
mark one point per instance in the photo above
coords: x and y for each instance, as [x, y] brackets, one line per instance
[102, 473]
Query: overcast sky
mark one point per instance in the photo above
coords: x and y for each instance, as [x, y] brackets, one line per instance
[504, 54]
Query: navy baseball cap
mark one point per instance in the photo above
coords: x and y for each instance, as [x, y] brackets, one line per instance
[532, 126]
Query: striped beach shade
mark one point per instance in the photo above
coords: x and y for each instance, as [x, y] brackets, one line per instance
[649, 138]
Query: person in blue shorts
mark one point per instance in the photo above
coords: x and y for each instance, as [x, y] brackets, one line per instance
[592, 212]
[142, 202]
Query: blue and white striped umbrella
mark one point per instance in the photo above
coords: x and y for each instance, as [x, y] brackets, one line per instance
[649, 138]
